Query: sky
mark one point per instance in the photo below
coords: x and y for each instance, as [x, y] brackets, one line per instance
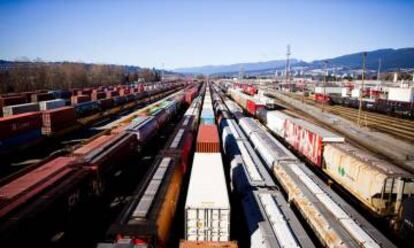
[184, 33]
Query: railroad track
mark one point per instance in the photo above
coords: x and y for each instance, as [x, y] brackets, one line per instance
[400, 128]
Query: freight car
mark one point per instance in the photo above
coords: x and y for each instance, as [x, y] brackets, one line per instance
[270, 221]
[389, 107]
[380, 186]
[147, 219]
[31, 203]
[334, 222]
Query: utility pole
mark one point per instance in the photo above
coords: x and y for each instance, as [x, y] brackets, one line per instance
[287, 72]
[325, 62]
[379, 70]
[361, 91]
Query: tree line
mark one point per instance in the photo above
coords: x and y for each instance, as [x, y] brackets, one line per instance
[29, 76]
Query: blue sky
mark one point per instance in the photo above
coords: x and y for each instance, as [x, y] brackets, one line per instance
[192, 33]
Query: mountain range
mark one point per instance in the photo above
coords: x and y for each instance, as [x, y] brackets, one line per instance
[391, 59]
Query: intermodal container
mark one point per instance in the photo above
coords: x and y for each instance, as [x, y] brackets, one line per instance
[208, 139]
[17, 124]
[207, 207]
[94, 144]
[80, 99]
[118, 100]
[51, 104]
[87, 108]
[57, 119]
[11, 100]
[41, 97]
[207, 116]
[20, 109]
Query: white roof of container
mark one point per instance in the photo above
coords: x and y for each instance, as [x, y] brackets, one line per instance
[327, 136]
[207, 188]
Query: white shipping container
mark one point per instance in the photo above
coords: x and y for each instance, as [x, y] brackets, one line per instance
[276, 122]
[401, 94]
[207, 207]
[52, 104]
[20, 108]
[328, 90]
[345, 92]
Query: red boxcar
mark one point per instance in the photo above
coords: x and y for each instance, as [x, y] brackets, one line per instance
[252, 107]
[308, 139]
[16, 124]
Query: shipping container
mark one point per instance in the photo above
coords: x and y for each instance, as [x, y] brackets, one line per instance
[207, 207]
[106, 103]
[58, 119]
[20, 109]
[208, 139]
[52, 104]
[20, 139]
[11, 100]
[111, 94]
[18, 124]
[79, 99]
[401, 94]
[87, 108]
[37, 97]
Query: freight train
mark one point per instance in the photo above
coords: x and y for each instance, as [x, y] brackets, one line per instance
[147, 218]
[270, 221]
[388, 107]
[380, 186]
[334, 221]
[24, 129]
[38, 197]
[207, 205]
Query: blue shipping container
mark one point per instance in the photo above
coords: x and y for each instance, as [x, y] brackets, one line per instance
[20, 139]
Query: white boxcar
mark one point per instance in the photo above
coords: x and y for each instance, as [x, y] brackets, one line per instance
[207, 207]
[52, 104]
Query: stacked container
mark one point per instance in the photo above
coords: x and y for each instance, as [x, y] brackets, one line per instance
[51, 104]
[207, 207]
[20, 109]
[58, 119]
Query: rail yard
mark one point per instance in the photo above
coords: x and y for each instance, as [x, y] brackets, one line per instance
[200, 163]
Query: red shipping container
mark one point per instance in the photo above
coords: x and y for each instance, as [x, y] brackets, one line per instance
[12, 100]
[311, 146]
[79, 99]
[57, 119]
[20, 123]
[208, 139]
[253, 107]
[84, 92]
